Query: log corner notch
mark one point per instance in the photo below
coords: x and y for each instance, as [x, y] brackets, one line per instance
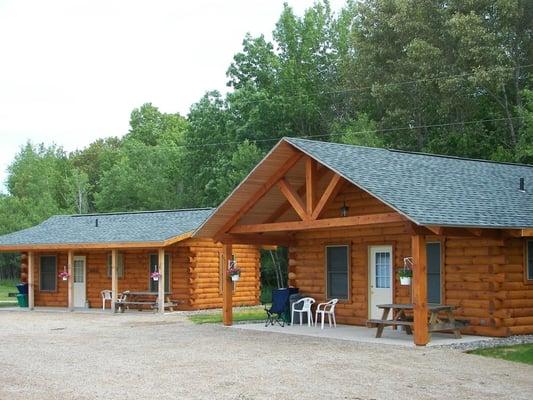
[227, 287]
[420, 302]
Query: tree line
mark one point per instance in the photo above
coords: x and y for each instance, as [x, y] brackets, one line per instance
[450, 77]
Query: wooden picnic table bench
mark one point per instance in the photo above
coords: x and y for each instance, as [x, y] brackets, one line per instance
[401, 318]
[137, 300]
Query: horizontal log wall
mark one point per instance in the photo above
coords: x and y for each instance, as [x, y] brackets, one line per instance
[194, 273]
[58, 298]
[307, 255]
[205, 276]
[483, 277]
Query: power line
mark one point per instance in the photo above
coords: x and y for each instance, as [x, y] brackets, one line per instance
[385, 85]
[353, 133]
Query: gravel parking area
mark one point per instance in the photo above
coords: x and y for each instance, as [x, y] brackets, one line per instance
[140, 356]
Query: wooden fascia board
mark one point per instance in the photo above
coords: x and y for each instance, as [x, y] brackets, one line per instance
[263, 190]
[293, 198]
[527, 232]
[360, 220]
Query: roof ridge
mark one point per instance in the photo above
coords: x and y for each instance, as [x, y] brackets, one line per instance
[136, 212]
[419, 153]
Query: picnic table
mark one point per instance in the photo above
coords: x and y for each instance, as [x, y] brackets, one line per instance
[400, 317]
[140, 300]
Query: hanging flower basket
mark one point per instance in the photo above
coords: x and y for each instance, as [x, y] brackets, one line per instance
[64, 275]
[234, 271]
[406, 273]
[155, 275]
[405, 280]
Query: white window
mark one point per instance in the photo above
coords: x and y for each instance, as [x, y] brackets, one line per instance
[120, 266]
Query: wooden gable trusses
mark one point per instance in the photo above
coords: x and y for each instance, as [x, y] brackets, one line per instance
[308, 208]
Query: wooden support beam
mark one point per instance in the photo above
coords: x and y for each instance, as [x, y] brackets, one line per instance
[161, 286]
[70, 281]
[114, 278]
[419, 290]
[329, 194]
[527, 232]
[293, 198]
[227, 287]
[321, 171]
[359, 220]
[310, 184]
[31, 280]
[280, 173]
[256, 239]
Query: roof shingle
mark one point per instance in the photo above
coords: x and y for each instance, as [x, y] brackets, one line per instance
[432, 189]
[128, 227]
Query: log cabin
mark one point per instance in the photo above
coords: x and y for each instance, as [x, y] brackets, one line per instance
[352, 216]
[119, 251]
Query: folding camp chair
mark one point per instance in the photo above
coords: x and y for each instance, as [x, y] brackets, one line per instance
[280, 302]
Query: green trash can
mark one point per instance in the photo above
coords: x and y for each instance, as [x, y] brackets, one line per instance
[22, 300]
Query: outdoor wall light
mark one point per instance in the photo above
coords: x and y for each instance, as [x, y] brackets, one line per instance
[344, 209]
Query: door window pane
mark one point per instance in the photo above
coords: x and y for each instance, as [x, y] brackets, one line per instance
[383, 269]
[337, 271]
[154, 261]
[79, 271]
[48, 274]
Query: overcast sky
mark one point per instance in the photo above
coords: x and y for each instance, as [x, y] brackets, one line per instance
[72, 71]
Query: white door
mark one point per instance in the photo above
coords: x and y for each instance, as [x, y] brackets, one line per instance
[380, 275]
[79, 281]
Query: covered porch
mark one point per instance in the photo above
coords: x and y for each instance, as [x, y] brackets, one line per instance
[316, 197]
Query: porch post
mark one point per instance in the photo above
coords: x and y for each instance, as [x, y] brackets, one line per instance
[114, 279]
[419, 290]
[31, 281]
[161, 287]
[227, 287]
[70, 282]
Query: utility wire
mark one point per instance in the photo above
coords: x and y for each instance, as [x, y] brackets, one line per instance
[385, 85]
[275, 139]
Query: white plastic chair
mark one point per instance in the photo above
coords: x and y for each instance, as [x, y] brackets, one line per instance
[306, 302]
[328, 309]
[106, 296]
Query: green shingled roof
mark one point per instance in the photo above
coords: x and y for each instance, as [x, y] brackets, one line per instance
[431, 189]
[128, 227]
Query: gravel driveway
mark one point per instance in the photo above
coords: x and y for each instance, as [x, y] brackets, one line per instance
[146, 356]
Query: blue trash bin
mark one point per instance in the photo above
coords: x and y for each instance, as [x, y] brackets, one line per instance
[22, 288]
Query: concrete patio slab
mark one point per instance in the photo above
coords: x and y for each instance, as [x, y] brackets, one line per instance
[361, 334]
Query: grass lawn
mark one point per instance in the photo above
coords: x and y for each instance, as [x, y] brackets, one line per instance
[5, 288]
[256, 314]
[520, 353]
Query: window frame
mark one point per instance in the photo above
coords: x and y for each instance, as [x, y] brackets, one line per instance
[41, 273]
[150, 255]
[120, 266]
[527, 267]
[348, 272]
